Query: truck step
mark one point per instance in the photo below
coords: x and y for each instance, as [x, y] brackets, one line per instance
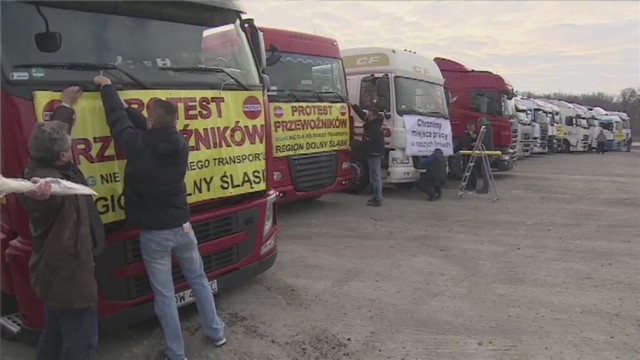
[12, 323]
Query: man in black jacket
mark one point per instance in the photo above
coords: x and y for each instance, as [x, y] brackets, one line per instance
[433, 179]
[373, 148]
[156, 203]
[487, 141]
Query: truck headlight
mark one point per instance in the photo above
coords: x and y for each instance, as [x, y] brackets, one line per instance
[400, 160]
[346, 165]
[268, 213]
[268, 245]
[277, 176]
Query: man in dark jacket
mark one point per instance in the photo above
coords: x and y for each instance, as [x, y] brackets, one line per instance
[433, 179]
[373, 148]
[156, 203]
[61, 265]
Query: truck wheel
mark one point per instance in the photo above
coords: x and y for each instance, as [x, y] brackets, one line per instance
[566, 147]
[456, 167]
[360, 179]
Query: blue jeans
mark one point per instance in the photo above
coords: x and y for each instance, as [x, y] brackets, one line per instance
[375, 170]
[68, 334]
[156, 247]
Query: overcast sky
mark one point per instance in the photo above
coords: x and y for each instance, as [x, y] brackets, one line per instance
[571, 46]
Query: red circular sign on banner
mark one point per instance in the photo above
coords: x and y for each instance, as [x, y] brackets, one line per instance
[252, 108]
[278, 111]
[343, 110]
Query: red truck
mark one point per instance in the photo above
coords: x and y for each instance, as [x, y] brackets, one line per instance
[475, 94]
[309, 115]
[150, 54]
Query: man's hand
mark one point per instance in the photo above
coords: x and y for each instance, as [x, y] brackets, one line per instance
[101, 80]
[71, 94]
[124, 103]
[42, 190]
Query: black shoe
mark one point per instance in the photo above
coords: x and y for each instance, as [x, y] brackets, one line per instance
[430, 198]
[375, 203]
[482, 191]
[438, 195]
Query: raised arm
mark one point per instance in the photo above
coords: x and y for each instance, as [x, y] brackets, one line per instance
[358, 110]
[127, 137]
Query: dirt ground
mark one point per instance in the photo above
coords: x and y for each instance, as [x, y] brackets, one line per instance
[551, 271]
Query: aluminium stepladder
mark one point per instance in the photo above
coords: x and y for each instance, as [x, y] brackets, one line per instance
[479, 150]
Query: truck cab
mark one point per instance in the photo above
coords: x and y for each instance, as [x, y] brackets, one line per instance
[475, 94]
[548, 110]
[540, 124]
[586, 120]
[576, 131]
[524, 129]
[613, 130]
[310, 124]
[626, 125]
[404, 86]
[150, 53]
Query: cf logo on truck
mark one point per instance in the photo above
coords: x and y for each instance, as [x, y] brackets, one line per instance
[368, 60]
[421, 70]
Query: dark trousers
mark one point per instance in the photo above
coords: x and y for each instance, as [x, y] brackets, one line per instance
[68, 334]
[600, 149]
[429, 186]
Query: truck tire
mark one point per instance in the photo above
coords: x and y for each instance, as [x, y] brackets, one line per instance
[456, 167]
[566, 147]
[360, 179]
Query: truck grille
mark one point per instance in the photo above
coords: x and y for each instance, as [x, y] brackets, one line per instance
[585, 138]
[514, 135]
[313, 172]
[212, 262]
[121, 253]
[204, 231]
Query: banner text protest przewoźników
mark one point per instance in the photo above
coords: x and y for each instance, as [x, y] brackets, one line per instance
[225, 131]
[307, 128]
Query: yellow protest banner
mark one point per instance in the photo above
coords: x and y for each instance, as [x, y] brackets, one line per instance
[619, 136]
[307, 128]
[225, 131]
[559, 131]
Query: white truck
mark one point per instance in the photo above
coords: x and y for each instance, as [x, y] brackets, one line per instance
[540, 125]
[586, 120]
[404, 86]
[550, 110]
[575, 137]
[626, 126]
[524, 129]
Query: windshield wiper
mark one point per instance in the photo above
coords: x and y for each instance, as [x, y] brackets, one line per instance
[292, 95]
[204, 69]
[310, 92]
[85, 67]
[337, 94]
[439, 113]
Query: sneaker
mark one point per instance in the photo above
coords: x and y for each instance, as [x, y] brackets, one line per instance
[375, 203]
[218, 343]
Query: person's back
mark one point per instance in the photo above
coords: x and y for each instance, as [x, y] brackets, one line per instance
[156, 203]
[436, 169]
[154, 186]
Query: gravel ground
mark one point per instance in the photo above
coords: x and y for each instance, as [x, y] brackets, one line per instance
[551, 271]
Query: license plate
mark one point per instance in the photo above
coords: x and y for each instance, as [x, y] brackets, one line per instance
[187, 297]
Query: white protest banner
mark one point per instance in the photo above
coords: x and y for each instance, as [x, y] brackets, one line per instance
[425, 134]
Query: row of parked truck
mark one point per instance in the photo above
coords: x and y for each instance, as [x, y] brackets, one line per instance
[266, 115]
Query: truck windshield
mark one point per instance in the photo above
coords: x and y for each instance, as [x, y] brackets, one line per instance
[540, 117]
[582, 122]
[606, 125]
[626, 123]
[420, 97]
[307, 78]
[522, 117]
[142, 47]
[508, 106]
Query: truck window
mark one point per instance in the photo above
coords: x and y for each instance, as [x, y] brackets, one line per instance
[483, 102]
[142, 48]
[569, 121]
[306, 74]
[419, 97]
[607, 125]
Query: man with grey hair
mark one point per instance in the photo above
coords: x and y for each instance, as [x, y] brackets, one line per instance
[63, 238]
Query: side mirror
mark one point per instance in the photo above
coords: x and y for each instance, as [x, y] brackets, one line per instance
[383, 104]
[382, 87]
[447, 97]
[257, 43]
[266, 82]
[48, 42]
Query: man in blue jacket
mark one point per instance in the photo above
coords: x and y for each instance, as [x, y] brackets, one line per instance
[156, 204]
